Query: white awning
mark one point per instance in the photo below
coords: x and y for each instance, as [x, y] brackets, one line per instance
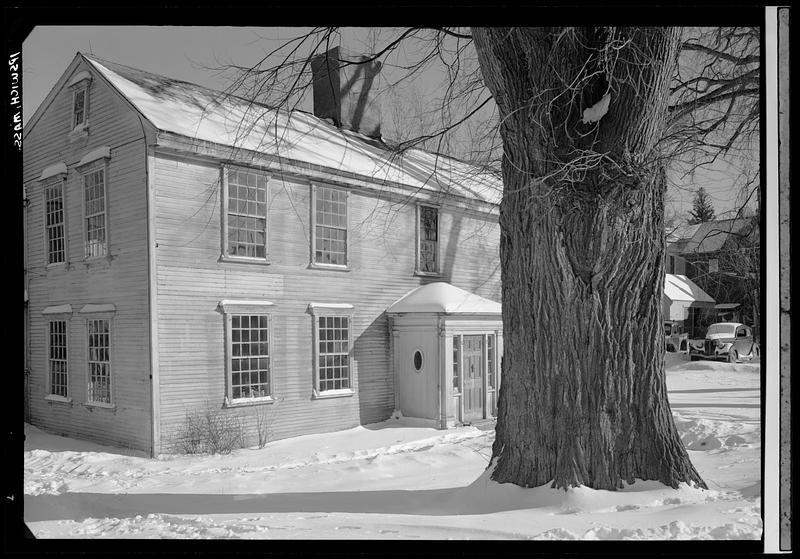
[681, 288]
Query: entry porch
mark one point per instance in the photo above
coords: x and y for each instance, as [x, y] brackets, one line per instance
[446, 348]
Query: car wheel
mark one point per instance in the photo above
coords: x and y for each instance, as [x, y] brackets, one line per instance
[733, 356]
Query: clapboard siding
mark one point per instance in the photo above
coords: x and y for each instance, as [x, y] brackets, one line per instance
[121, 279]
[192, 280]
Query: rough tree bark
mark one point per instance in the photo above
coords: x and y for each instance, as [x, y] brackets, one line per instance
[583, 399]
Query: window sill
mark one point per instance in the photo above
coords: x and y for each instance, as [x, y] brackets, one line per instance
[342, 393]
[243, 402]
[100, 405]
[57, 398]
[427, 274]
[79, 132]
[243, 260]
[334, 267]
[56, 266]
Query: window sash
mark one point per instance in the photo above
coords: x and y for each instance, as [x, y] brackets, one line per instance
[330, 230]
[55, 236]
[98, 359]
[249, 373]
[333, 353]
[95, 213]
[246, 213]
[490, 361]
[58, 357]
[457, 364]
[79, 108]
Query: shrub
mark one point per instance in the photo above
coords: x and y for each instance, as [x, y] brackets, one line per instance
[262, 426]
[209, 431]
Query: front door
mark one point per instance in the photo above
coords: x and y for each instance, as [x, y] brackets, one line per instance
[473, 378]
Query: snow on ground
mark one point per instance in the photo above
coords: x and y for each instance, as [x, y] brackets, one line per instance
[397, 480]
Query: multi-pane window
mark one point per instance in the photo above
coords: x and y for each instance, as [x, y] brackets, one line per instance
[490, 373]
[79, 108]
[94, 189]
[57, 362]
[250, 376]
[330, 242]
[247, 214]
[333, 365]
[428, 239]
[456, 363]
[99, 359]
[54, 221]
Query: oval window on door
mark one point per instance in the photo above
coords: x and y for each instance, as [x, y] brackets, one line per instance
[418, 360]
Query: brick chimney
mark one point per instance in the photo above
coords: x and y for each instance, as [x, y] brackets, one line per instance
[347, 92]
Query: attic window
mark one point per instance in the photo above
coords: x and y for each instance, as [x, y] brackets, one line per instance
[79, 108]
[80, 99]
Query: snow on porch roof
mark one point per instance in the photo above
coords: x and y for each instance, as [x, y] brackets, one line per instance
[681, 288]
[197, 112]
[441, 297]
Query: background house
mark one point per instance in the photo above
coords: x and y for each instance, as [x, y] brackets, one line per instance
[187, 249]
[723, 258]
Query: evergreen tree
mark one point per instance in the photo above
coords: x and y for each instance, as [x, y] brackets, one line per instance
[702, 209]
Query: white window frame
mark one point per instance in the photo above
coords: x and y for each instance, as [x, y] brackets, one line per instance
[87, 169]
[61, 313]
[417, 260]
[334, 310]
[230, 307]
[46, 183]
[225, 255]
[313, 206]
[99, 312]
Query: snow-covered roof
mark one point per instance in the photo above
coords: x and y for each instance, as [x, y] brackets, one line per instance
[712, 235]
[682, 233]
[200, 113]
[441, 297]
[681, 288]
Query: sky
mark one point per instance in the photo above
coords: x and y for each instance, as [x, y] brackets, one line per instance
[193, 53]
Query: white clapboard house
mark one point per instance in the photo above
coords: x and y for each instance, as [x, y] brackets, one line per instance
[187, 249]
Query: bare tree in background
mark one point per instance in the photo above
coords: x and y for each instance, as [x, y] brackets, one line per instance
[588, 118]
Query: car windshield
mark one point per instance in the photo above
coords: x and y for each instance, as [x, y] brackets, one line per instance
[729, 329]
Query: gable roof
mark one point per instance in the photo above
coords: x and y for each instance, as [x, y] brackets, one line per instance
[711, 236]
[442, 297]
[197, 112]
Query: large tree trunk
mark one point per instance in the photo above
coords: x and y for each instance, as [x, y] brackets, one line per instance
[583, 399]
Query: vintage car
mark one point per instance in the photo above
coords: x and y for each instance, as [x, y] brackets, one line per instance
[730, 341]
[675, 339]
